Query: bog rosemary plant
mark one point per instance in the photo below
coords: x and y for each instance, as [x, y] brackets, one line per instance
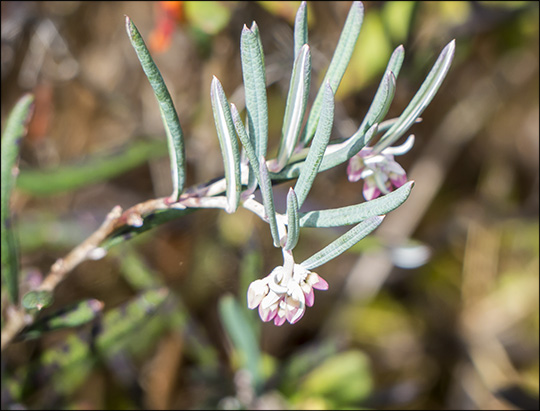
[288, 289]
[284, 294]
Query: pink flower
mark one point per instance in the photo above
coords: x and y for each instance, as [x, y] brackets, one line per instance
[380, 172]
[283, 295]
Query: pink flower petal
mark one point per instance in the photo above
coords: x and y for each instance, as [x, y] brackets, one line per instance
[279, 321]
[267, 314]
[355, 168]
[321, 283]
[310, 298]
[370, 190]
[398, 180]
[294, 314]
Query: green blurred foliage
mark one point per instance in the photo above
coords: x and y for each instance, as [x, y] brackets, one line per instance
[208, 16]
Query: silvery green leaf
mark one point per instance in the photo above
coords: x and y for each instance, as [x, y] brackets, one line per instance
[253, 176]
[385, 93]
[268, 200]
[300, 29]
[396, 60]
[175, 136]
[255, 30]
[381, 102]
[246, 142]
[254, 75]
[337, 67]
[316, 151]
[293, 228]
[229, 145]
[11, 142]
[296, 106]
[353, 214]
[343, 243]
[421, 100]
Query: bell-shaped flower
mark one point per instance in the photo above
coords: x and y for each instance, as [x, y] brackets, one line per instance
[380, 172]
[284, 293]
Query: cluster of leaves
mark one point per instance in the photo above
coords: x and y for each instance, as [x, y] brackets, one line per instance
[249, 169]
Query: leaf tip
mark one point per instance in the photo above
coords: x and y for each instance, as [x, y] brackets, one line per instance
[129, 24]
[450, 47]
[358, 6]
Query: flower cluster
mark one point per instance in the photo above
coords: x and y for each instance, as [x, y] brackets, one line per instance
[284, 293]
[380, 172]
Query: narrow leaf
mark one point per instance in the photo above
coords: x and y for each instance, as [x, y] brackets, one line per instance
[175, 136]
[396, 60]
[381, 102]
[296, 106]
[228, 144]
[70, 316]
[421, 100]
[246, 142]
[300, 29]
[348, 215]
[255, 30]
[377, 111]
[316, 152]
[11, 143]
[268, 200]
[343, 243]
[293, 228]
[338, 65]
[254, 75]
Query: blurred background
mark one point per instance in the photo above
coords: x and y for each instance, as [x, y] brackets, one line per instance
[438, 309]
